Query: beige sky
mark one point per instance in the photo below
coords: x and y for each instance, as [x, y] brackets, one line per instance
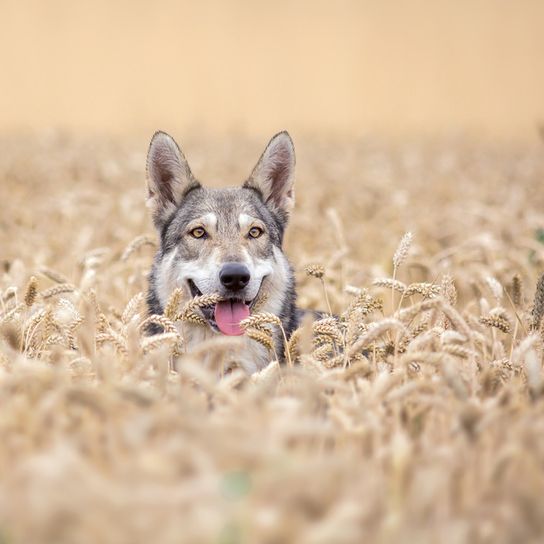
[390, 67]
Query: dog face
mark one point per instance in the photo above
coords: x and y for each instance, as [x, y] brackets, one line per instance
[224, 241]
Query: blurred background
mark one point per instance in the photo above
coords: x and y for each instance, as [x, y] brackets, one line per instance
[352, 67]
[416, 116]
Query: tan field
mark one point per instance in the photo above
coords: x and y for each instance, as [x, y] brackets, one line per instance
[434, 436]
[418, 416]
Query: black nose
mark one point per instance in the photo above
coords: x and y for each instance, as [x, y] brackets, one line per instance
[234, 276]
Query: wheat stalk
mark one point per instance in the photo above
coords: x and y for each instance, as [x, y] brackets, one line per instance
[161, 321]
[257, 321]
[517, 291]
[376, 331]
[402, 251]
[150, 343]
[318, 271]
[262, 337]
[315, 270]
[58, 290]
[53, 275]
[427, 290]
[538, 308]
[134, 304]
[199, 302]
[390, 283]
[31, 292]
[174, 300]
[496, 321]
[137, 243]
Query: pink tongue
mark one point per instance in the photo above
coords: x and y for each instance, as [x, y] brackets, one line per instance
[228, 315]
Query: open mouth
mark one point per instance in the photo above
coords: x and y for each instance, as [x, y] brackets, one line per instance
[227, 314]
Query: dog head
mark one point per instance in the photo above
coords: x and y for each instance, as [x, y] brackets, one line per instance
[224, 241]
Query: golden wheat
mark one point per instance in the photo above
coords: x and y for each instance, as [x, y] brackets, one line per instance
[328, 327]
[415, 421]
[161, 321]
[315, 270]
[31, 291]
[402, 250]
[190, 316]
[134, 305]
[538, 308]
[427, 290]
[517, 291]
[199, 302]
[260, 319]
[390, 283]
[153, 342]
[262, 337]
[58, 290]
[137, 243]
[497, 321]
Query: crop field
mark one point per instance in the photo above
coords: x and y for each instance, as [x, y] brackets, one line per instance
[417, 416]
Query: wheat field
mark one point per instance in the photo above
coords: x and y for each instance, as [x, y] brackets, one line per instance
[418, 416]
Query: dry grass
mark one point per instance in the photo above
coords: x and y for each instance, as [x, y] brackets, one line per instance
[417, 417]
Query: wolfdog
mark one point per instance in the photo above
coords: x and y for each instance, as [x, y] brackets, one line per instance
[224, 241]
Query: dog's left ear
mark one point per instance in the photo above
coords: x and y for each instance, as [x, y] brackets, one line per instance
[169, 177]
[274, 174]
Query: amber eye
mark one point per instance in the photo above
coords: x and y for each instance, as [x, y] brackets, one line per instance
[255, 232]
[198, 232]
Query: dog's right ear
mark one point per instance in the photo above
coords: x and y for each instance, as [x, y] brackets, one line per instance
[169, 177]
[274, 175]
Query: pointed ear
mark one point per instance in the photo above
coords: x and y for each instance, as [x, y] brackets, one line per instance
[169, 177]
[274, 174]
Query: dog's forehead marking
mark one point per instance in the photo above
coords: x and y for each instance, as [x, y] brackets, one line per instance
[244, 220]
[210, 219]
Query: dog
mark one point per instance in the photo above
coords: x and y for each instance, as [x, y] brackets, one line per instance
[224, 241]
